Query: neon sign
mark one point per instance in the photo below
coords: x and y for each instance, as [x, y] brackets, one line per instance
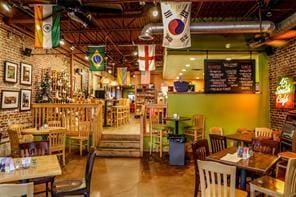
[285, 93]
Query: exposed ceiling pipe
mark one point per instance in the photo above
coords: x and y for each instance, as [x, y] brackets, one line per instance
[213, 28]
[285, 25]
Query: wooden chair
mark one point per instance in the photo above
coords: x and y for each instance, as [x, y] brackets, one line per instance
[37, 148]
[197, 130]
[216, 130]
[263, 133]
[13, 190]
[275, 187]
[218, 142]
[266, 146]
[157, 129]
[14, 142]
[18, 128]
[214, 179]
[57, 143]
[70, 187]
[83, 137]
[200, 150]
[54, 123]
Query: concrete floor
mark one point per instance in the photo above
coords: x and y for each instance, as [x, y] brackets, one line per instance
[124, 177]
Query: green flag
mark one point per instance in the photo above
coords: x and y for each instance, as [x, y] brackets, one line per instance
[96, 58]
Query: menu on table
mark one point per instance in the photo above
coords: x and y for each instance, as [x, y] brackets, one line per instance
[235, 76]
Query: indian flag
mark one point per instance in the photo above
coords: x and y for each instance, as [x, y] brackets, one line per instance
[47, 26]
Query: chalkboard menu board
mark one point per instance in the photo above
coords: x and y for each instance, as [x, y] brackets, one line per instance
[235, 76]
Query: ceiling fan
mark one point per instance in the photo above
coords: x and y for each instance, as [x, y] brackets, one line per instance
[83, 12]
[276, 41]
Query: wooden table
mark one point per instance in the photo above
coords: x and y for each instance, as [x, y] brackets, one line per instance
[243, 138]
[259, 162]
[45, 166]
[177, 120]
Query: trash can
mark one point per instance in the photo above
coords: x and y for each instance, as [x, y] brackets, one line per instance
[177, 149]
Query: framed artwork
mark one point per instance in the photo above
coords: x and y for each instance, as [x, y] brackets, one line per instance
[25, 100]
[10, 72]
[26, 74]
[10, 99]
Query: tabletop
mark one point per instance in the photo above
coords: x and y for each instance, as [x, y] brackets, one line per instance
[47, 165]
[35, 131]
[259, 162]
[242, 137]
[177, 119]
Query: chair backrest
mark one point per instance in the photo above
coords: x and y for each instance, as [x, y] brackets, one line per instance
[290, 180]
[218, 142]
[89, 168]
[35, 148]
[14, 142]
[54, 123]
[200, 150]
[12, 190]
[214, 178]
[84, 128]
[216, 130]
[198, 122]
[57, 138]
[266, 146]
[157, 116]
[262, 132]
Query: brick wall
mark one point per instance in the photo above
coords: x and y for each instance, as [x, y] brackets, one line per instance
[11, 45]
[281, 63]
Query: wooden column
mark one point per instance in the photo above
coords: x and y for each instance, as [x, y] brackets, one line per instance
[71, 75]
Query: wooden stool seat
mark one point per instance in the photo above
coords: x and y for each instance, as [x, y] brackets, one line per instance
[238, 192]
[269, 185]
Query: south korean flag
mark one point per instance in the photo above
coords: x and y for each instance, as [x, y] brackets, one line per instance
[176, 24]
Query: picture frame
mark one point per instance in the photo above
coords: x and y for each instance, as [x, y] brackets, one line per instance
[25, 99]
[10, 72]
[26, 74]
[10, 99]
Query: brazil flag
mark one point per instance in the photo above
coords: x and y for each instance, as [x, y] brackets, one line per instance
[96, 58]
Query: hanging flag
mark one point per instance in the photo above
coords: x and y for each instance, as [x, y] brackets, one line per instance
[176, 23]
[47, 26]
[96, 58]
[145, 77]
[122, 76]
[128, 78]
[146, 55]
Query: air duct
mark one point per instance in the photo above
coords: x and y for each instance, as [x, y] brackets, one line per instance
[251, 27]
[285, 25]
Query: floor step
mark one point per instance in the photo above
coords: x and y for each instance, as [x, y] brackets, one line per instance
[120, 137]
[119, 144]
[108, 152]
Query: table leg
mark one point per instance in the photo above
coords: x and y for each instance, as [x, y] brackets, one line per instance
[177, 126]
[243, 179]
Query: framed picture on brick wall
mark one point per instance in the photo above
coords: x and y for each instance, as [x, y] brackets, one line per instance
[10, 99]
[26, 74]
[10, 72]
[25, 100]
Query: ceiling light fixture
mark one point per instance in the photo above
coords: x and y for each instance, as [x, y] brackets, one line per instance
[135, 53]
[86, 57]
[180, 74]
[72, 48]
[6, 6]
[110, 71]
[228, 58]
[192, 58]
[183, 70]
[227, 45]
[178, 78]
[197, 78]
[62, 42]
[187, 65]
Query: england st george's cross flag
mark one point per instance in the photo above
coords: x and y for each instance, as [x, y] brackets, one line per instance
[146, 55]
[176, 24]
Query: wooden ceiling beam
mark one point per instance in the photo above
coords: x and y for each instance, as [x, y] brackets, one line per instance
[101, 30]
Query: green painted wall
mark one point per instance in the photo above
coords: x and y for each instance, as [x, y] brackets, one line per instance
[229, 111]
